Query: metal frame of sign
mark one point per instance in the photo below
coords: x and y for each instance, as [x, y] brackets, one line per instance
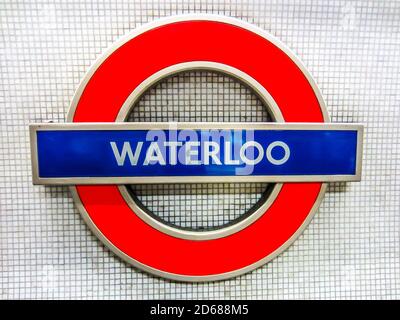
[193, 126]
[197, 42]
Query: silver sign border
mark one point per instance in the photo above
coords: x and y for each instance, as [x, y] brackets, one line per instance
[34, 128]
[133, 34]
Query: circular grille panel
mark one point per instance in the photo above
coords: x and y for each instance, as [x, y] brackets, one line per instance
[200, 96]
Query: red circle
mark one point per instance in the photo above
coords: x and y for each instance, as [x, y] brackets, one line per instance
[185, 41]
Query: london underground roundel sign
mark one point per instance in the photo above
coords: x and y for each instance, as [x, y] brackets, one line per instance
[97, 152]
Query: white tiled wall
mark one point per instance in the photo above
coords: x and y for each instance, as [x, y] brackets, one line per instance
[350, 250]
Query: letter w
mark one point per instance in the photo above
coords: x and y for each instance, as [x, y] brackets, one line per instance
[126, 150]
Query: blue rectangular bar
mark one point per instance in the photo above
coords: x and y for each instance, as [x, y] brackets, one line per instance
[133, 153]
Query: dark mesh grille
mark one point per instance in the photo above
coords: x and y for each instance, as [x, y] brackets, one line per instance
[200, 96]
